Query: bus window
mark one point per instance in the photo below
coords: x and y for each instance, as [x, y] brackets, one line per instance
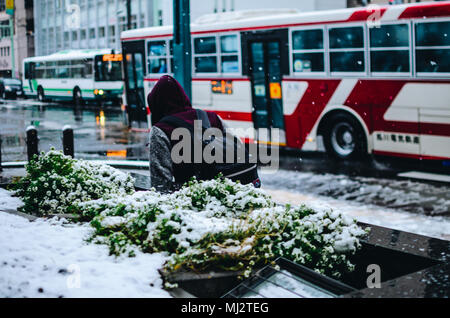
[205, 55]
[206, 64]
[40, 70]
[229, 54]
[433, 47]
[158, 55]
[62, 70]
[29, 70]
[389, 49]
[347, 49]
[88, 69]
[308, 51]
[107, 70]
[130, 71]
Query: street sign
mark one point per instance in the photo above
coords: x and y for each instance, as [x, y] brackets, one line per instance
[9, 7]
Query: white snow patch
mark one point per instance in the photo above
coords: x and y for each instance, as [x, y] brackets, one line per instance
[42, 259]
[433, 226]
[7, 201]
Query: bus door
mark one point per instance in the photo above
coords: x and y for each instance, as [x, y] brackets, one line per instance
[134, 67]
[265, 70]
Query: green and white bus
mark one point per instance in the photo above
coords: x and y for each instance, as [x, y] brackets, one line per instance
[78, 75]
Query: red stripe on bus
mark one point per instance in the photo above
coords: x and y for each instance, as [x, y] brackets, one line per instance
[238, 116]
[426, 11]
[237, 79]
[364, 15]
[408, 155]
[371, 99]
[314, 100]
[434, 129]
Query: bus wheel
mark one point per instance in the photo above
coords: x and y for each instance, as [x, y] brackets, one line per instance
[344, 138]
[40, 94]
[77, 98]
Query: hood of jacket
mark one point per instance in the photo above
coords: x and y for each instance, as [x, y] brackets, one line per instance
[167, 98]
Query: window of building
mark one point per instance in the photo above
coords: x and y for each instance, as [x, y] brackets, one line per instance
[83, 34]
[74, 35]
[308, 51]
[432, 47]
[160, 57]
[346, 49]
[389, 49]
[101, 32]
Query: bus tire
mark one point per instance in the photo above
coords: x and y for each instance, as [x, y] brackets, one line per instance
[77, 98]
[344, 138]
[40, 94]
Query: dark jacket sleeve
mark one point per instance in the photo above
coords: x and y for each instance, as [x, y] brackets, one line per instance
[161, 171]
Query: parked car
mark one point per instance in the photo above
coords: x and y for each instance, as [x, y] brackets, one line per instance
[10, 88]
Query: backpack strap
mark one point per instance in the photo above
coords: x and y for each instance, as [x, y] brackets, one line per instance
[203, 116]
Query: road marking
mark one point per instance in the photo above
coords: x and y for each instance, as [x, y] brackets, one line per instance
[425, 176]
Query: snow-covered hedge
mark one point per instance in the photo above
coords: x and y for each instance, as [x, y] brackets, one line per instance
[54, 182]
[207, 225]
[222, 225]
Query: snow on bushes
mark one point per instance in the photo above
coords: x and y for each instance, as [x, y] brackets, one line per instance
[207, 225]
[222, 225]
[54, 182]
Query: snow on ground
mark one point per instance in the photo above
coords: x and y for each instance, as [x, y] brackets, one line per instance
[433, 226]
[43, 258]
[49, 258]
[8, 202]
[410, 206]
[399, 194]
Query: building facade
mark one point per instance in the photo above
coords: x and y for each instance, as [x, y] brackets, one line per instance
[85, 24]
[23, 25]
[94, 24]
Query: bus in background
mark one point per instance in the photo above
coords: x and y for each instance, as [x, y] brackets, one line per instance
[356, 81]
[77, 75]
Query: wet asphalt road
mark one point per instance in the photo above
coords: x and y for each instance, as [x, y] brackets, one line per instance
[103, 133]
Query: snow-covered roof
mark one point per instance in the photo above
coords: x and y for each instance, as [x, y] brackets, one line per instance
[242, 15]
[70, 55]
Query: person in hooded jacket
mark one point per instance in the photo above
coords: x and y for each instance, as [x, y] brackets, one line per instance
[169, 98]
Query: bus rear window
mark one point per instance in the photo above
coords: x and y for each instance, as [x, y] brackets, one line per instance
[107, 70]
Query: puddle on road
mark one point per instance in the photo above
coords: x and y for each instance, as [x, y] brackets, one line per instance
[99, 133]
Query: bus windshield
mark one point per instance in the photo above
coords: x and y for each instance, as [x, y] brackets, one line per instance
[12, 81]
[108, 70]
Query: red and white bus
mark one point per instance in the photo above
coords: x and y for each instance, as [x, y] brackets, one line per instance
[362, 80]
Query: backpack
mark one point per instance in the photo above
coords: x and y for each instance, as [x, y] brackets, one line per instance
[240, 169]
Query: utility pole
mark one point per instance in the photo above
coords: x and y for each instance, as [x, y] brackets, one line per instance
[10, 11]
[182, 50]
[128, 14]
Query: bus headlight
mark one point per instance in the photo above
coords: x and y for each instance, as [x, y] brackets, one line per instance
[101, 92]
[8, 88]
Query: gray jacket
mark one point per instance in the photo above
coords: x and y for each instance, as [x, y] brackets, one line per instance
[161, 170]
